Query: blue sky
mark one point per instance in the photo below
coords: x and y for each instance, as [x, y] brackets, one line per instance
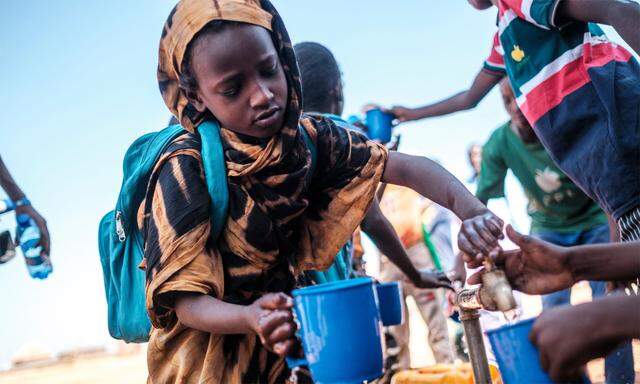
[79, 85]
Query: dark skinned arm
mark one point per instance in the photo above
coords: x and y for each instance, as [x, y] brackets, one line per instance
[9, 184]
[622, 15]
[269, 317]
[570, 336]
[468, 99]
[480, 230]
[15, 193]
[381, 232]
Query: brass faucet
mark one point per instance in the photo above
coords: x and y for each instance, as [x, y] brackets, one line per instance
[494, 294]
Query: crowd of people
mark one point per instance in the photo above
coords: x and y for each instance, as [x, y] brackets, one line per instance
[221, 310]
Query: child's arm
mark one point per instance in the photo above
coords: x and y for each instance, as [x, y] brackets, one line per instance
[570, 336]
[468, 99]
[378, 227]
[622, 15]
[269, 317]
[480, 230]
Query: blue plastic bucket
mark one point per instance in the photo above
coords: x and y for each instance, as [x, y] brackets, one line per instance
[518, 359]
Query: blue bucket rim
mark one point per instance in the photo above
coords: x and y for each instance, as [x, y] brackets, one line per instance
[507, 327]
[388, 284]
[333, 286]
[378, 111]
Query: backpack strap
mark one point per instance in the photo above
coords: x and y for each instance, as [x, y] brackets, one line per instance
[215, 172]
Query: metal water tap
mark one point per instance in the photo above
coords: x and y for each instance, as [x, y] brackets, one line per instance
[495, 294]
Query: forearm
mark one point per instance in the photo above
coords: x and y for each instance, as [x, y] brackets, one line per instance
[624, 19]
[433, 182]
[208, 314]
[482, 84]
[380, 192]
[622, 316]
[381, 232]
[458, 102]
[8, 184]
[622, 15]
[615, 261]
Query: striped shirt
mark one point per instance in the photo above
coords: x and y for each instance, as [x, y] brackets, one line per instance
[544, 61]
[581, 94]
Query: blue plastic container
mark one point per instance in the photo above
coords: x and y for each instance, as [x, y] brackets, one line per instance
[390, 303]
[517, 357]
[39, 266]
[379, 125]
[339, 326]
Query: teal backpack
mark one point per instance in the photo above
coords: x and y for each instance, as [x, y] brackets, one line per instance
[120, 243]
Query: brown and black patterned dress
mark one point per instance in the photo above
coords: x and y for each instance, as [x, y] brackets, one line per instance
[283, 219]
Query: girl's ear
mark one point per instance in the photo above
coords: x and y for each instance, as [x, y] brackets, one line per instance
[195, 100]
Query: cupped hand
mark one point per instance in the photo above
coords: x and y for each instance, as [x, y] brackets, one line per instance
[537, 268]
[272, 321]
[568, 337]
[42, 226]
[479, 236]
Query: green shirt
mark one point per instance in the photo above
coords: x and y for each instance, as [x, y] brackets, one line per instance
[555, 202]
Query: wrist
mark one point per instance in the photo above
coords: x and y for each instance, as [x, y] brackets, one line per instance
[573, 262]
[15, 194]
[250, 315]
[474, 211]
[413, 275]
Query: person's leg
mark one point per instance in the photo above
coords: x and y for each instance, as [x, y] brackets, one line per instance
[397, 355]
[618, 366]
[428, 303]
[401, 336]
[559, 238]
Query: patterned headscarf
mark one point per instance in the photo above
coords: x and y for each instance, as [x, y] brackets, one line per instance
[187, 19]
[268, 176]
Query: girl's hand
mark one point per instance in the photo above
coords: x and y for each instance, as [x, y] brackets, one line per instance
[272, 321]
[479, 236]
[428, 278]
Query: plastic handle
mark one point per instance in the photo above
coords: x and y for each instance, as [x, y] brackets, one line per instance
[295, 363]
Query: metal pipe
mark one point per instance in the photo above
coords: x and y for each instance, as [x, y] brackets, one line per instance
[470, 319]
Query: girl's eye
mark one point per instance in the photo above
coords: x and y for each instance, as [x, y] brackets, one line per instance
[271, 70]
[231, 92]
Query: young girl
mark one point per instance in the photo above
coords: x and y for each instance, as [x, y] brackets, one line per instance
[219, 309]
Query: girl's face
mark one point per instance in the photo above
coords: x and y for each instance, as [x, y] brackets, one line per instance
[240, 80]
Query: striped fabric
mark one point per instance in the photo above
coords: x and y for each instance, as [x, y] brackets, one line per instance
[581, 94]
[629, 226]
[546, 64]
[283, 219]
